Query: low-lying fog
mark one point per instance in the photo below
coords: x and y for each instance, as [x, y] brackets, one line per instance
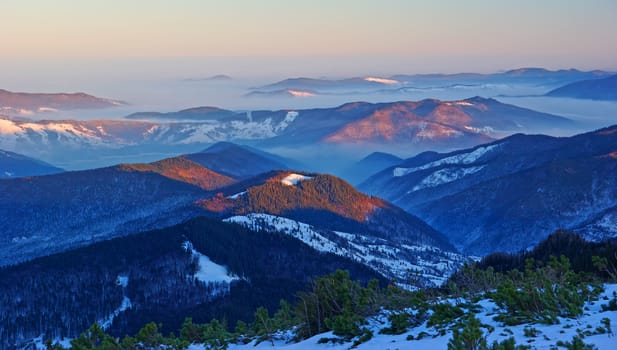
[167, 86]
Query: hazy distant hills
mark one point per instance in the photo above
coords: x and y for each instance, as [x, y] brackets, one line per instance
[595, 89]
[510, 194]
[197, 113]
[422, 125]
[23, 103]
[528, 75]
[327, 84]
[369, 165]
[283, 93]
[17, 165]
[521, 76]
[237, 161]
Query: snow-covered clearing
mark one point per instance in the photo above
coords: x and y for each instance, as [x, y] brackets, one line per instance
[294, 179]
[209, 271]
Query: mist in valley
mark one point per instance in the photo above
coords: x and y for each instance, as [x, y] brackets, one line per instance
[173, 85]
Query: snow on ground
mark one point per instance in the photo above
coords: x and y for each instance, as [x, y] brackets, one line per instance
[209, 271]
[546, 336]
[460, 159]
[106, 322]
[293, 179]
[443, 176]
[391, 259]
[289, 118]
[123, 281]
[237, 195]
[304, 232]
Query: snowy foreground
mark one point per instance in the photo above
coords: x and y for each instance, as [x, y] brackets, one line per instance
[545, 337]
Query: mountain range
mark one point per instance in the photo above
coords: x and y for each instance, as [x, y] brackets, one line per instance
[222, 266]
[45, 214]
[187, 214]
[512, 193]
[330, 215]
[520, 76]
[423, 125]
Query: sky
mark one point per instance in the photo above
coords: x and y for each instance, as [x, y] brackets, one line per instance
[309, 37]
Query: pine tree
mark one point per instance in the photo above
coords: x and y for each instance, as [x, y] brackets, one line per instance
[470, 338]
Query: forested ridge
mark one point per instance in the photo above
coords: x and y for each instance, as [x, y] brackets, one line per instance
[63, 294]
[547, 288]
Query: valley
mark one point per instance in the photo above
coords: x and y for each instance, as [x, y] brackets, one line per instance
[223, 217]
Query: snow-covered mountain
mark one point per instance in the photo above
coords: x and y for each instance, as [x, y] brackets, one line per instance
[423, 125]
[512, 193]
[331, 216]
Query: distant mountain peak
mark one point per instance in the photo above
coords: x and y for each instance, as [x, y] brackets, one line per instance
[601, 88]
[26, 102]
[237, 161]
[14, 165]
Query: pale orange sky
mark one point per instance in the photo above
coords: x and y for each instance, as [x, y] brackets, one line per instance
[486, 34]
[247, 27]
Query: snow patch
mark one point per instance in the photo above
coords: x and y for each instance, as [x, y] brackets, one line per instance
[300, 93]
[294, 179]
[123, 281]
[463, 103]
[209, 271]
[235, 196]
[460, 159]
[106, 322]
[382, 80]
[289, 118]
[480, 130]
[443, 176]
[47, 109]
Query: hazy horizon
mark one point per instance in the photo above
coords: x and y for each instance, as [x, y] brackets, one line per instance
[72, 41]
